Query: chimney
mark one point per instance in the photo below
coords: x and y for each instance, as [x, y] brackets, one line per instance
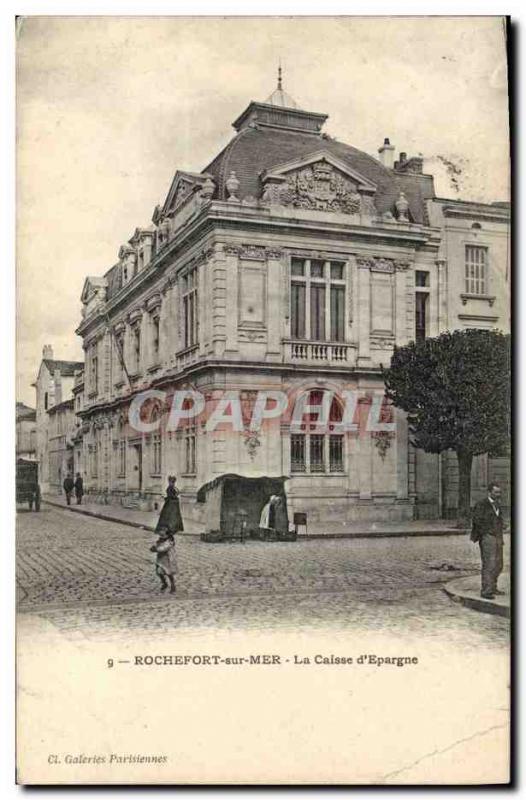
[47, 352]
[413, 165]
[386, 152]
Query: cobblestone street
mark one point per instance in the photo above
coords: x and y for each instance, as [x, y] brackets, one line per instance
[94, 577]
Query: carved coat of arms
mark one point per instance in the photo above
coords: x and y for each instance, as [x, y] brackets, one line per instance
[320, 187]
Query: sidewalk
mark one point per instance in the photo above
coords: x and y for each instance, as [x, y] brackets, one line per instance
[467, 592]
[147, 520]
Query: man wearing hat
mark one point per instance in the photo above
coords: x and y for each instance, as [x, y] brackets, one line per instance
[487, 530]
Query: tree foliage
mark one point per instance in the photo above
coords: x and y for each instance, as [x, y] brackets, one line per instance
[456, 390]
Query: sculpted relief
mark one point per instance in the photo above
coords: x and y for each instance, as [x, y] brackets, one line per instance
[320, 187]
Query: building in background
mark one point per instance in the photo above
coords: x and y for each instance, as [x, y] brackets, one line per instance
[53, 385]
[292, 262]
[26, 432]
[473, 291]
[62, 428]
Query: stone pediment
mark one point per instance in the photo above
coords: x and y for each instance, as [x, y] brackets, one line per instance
[319, 182]
[183, 185]
[93, 287]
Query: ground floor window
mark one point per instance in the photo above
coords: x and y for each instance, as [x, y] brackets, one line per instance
[156, 447]
[316, 453]
[93, 460]
[122, 458]
[190, 450]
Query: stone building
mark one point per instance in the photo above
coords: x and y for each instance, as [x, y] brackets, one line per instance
[474, 292]
[293, 262]
[61, 430]
[26, 432]
[53, 385]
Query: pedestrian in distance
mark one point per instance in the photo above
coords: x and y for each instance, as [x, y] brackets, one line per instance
[487, 530]
[79, 488]
[68, 485]
[165, 565]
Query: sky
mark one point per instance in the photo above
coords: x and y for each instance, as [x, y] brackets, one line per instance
[108, 108]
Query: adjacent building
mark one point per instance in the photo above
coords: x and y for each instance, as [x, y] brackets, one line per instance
[53, 385]
[26, 432]
[292, 262]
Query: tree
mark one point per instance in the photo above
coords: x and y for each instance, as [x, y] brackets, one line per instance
[456, 390]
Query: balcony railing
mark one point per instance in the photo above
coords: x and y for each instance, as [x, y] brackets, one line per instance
[320, 352]
[184, 358]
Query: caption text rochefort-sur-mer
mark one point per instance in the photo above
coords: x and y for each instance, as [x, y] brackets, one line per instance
[271, 659]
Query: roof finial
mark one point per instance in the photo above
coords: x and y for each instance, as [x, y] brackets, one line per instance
[279, 75]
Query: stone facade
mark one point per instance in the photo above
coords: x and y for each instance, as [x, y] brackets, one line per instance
[53, 385]
[292, 263]
[61, 429]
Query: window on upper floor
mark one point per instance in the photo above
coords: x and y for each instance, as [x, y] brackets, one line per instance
[190, 308]
[155, 338]
[94, 370]
[118, 349]
[421, 278]
[317, 300]
[476, 269]
[136, 340]
[46, 401]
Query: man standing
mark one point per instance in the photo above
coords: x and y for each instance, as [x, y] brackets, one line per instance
[79, 488]
[487, 530]
[68, 488]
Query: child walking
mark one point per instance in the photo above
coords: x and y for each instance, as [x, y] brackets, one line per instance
[165, 565]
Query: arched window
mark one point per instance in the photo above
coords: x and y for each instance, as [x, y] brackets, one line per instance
[315, 452]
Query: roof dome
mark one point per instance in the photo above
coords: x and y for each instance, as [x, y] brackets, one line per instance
[279, 97]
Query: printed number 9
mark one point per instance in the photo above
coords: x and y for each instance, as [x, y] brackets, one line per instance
[110, 662]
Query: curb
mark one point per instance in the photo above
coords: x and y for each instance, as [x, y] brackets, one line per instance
[459, 595]
[105, 517]
[354, 535]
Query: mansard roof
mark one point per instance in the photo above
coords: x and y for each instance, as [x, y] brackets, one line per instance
[260, 148]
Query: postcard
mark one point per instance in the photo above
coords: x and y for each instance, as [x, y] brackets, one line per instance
[263, 401]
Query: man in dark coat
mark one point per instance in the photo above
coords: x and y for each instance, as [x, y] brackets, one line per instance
[79, 488]
[487, 530]
[68, 488]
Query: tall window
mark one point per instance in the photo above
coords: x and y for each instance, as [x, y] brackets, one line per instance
[314, 452]
[476, 269]
[119, 355]
[93, 460]
[190, 439]
[421, 303]
[136, 347]
[155, 338]
[317, 300]
[94, 369]
[190, 308]
[122, 458]
[156, 454]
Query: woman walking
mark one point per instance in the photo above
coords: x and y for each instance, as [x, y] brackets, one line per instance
[170, 517]
[169, 523]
